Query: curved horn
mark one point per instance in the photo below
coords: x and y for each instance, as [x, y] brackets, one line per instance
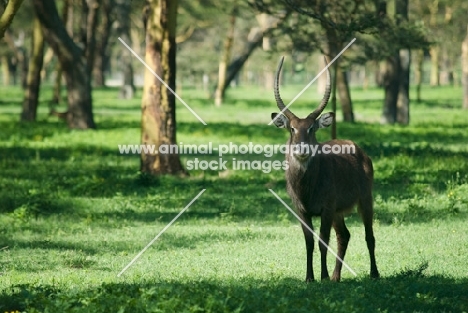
[326, 96]
[279, 101]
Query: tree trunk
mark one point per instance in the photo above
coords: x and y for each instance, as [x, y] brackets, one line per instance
[344, 95]
[322, 79]
[67, 18]
[403, 102]
[340, 81]
[391, 85]
[225, 58]
[57, 93]
[5, 70]
[418, 73]
[332, 49]
[396, 77]
[379, 73]
[123, 11]
[158, 124]
[102, 54]
[24, 62]
[333, 98]
[8, 14]
[403, 91]
[465, 70]
[91, 25]
[99, 69]
[380, 66]
[19, 59]
[434, 52]
[447, 71]
[73, 63]
[254, 40]
[269, 77]
[31, 93]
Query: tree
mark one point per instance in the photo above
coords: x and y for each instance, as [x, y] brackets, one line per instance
[8, 14]
[76, 64]
[465, 70]
[254, 40]
[123, 29]
[101, 59]
[397, 36]
[434, 50]
[402, 105]
[445, 22]
[418, 73]
[158, 123]
[15, 37]
[226, 57]
[17, 59]
[33, 82]
[67, 19]
[338, 22]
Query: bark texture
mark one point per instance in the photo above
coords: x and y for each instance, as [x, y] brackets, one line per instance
[73, 63]
[101, 59]
[127, 90]
[396, 78]
[254, 40]
[225, 58]
[391, 87]
[403, 101]
[434, 52]
[33, 82]
[344, 94]
[8, 14]
[67, 18]
[158, 124]
[418, 73]
[340, 81]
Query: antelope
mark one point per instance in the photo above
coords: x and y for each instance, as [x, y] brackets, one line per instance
[326, 185]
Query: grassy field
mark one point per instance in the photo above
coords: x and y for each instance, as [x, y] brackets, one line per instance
[74, 213]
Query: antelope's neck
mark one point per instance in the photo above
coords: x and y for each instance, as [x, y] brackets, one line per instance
[297, 170]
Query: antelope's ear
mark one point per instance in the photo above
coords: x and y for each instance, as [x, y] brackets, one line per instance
[325, 120]
[280, 120]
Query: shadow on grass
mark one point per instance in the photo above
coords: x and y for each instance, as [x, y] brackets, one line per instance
[404, 292]
[16, 131]
[453, 103]
[47, 185]
[173, 241]
[47, 179]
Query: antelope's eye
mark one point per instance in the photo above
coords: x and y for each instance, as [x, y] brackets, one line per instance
[293, 130]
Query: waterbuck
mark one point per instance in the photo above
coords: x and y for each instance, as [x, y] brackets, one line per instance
[325, 184]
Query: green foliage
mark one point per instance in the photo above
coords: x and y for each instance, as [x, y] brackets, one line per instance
[74, 212]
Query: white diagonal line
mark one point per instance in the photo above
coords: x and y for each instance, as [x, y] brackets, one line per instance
[160, 233]
[313, 233]
[313, 80]
[162, 81]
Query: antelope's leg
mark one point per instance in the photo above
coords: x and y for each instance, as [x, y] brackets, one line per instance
[325, 228]
[367, 215]
[309, 241]
[342, 238]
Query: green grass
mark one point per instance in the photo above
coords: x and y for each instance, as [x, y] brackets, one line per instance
[74, 213]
